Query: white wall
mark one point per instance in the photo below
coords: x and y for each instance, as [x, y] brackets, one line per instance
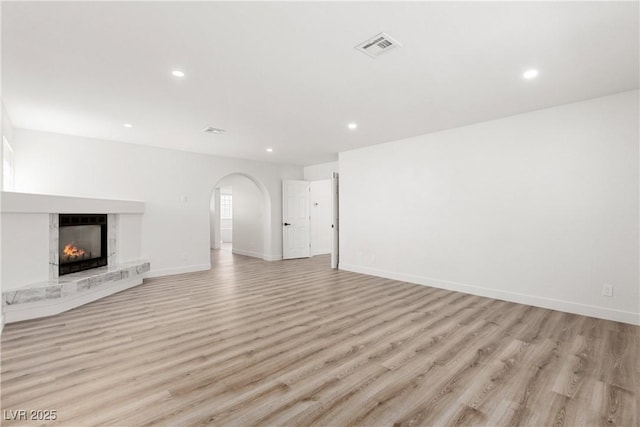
[175, 186]
[25, 249]
[129, 237]
[539, 208]
[320, 171]
[6, 130]
[226, 230]
[214, 231]
[248, 215]
[321, 212]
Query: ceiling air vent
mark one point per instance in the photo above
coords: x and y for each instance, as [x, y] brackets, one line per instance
[378, 44]
[211, 129]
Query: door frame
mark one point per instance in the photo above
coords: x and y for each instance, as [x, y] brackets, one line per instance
[296, 223]
[335, 226]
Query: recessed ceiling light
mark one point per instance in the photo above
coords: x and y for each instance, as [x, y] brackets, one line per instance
[530, 74]
[269, 150]
[352, 126]
[177, 73]
[128, 125]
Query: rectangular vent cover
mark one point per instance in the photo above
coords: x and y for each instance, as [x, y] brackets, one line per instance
[378, 44]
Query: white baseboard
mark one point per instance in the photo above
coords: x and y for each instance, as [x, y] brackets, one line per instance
[256, 255]
[550, 303]
[320, 253]
[49, 307]
[178, 270]
[246, 253]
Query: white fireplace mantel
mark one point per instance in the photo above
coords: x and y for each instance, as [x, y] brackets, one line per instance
[45, 203]
[29, 223]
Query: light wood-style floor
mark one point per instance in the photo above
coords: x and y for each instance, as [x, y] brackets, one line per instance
[295, 343]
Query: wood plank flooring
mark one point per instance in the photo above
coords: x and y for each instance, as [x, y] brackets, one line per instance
[295, 343]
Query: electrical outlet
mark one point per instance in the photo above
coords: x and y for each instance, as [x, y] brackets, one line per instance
[607, 290]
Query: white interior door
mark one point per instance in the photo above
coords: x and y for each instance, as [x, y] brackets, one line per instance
[295, 219]
[321, 212]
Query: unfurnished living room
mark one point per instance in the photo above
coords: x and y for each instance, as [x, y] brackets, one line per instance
[320, 213]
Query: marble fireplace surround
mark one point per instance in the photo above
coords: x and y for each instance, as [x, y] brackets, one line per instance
[54, 240]
[31, 287]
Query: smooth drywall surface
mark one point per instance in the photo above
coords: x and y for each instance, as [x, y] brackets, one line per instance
[539, 208]
[320, 171]
[25, 249]
[226, 230]
[248, 215]
[176, 187]
[6, 131]
[129, 238]
[321, 211]
[215, 219]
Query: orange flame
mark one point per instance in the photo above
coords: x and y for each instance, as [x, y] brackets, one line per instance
[71, 251]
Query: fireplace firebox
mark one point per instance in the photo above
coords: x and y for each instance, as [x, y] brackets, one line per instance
[82, 242]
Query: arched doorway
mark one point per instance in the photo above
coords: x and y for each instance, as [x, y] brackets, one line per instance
[243, 217]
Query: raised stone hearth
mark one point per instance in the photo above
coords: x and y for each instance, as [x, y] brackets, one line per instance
[31, 285]
[73, 284]
[57, 295]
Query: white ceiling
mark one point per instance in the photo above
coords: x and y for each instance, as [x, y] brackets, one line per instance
[286, 75]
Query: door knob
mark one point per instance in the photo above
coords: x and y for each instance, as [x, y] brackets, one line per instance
[286, 223]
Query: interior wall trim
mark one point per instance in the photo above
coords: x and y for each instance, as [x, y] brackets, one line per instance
[550, 303]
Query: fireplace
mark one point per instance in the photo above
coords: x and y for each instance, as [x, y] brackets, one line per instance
[82, 242]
